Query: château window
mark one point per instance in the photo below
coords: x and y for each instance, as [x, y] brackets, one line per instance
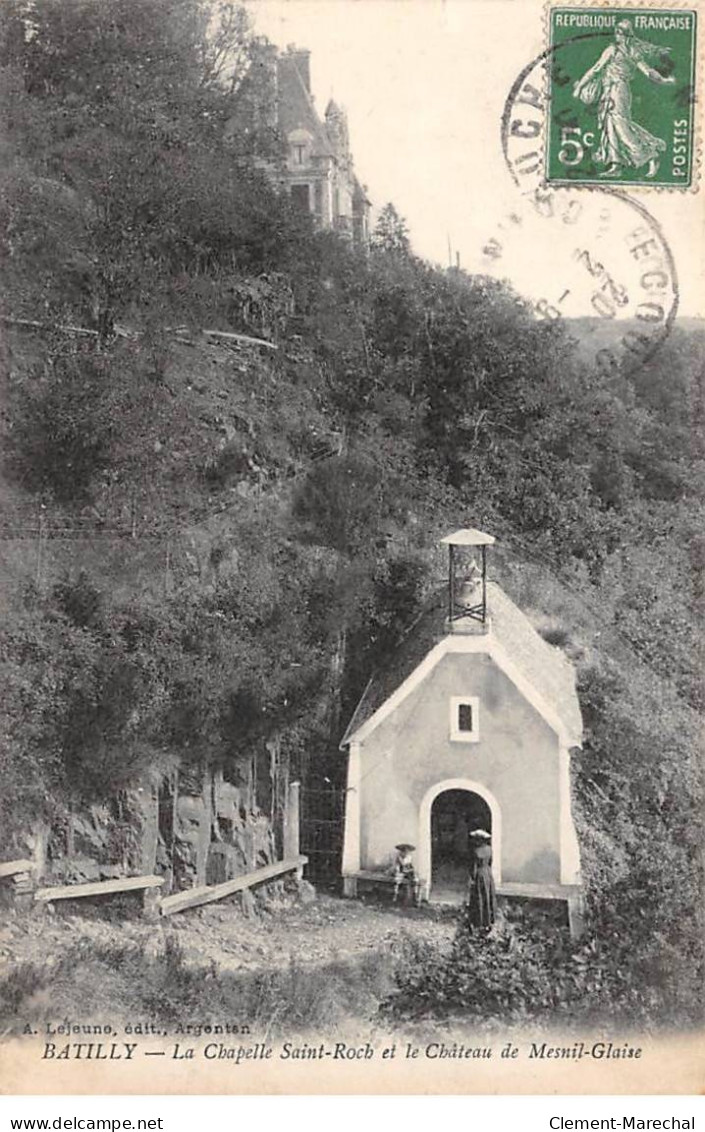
[301, 196]
[300, 144]
[465, 719]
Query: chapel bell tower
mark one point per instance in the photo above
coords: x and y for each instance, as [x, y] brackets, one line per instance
[467, 579]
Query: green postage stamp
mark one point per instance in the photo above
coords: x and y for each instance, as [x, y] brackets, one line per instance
[622, 96]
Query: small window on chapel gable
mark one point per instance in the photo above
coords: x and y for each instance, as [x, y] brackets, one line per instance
[465, 719]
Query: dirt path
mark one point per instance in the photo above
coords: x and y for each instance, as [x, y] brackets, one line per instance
[323, 960]
[322, 931]
[328, 929]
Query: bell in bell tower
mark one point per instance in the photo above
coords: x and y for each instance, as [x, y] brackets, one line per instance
[467, 578]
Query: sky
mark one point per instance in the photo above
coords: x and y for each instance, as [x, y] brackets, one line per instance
[424, 83]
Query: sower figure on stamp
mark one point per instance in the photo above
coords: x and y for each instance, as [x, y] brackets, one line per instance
[481, 908]
[405, 874]
[622, 140]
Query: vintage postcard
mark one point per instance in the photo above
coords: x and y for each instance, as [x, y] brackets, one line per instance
[352, 554]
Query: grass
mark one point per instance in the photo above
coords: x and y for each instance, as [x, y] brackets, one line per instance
[23, 980]
[92, 977]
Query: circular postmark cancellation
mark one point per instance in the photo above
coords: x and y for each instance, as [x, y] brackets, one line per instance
[603, 256]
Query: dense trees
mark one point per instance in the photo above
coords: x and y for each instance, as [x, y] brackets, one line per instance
[127, 129]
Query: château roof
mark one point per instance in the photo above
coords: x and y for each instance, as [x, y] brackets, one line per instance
[541, 671]
[360, 192]
[296, 106]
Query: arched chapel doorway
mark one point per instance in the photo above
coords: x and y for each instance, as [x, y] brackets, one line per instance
[449, 812]
[454, 814]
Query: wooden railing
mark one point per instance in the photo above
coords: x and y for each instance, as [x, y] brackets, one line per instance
[207, 894]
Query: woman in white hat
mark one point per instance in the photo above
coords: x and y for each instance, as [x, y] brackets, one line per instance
[481, 908]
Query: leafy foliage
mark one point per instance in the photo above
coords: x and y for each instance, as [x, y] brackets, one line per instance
[519, 974]
[391, 232]
[62, 428]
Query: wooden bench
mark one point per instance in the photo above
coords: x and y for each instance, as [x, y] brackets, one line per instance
[572, 894]
[207, 894]
[17, 876]
[149, 885]
[367, 876]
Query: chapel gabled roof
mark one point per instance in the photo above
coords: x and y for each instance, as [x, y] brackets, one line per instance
[541, 671]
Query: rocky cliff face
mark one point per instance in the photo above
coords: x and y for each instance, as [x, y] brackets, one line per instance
[191, 838]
